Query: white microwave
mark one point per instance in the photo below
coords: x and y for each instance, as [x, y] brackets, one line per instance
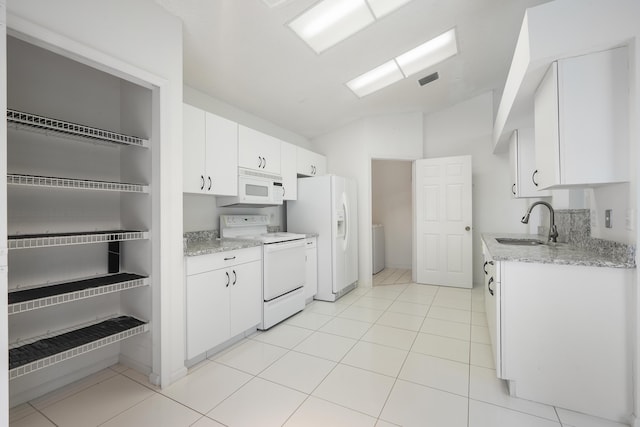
[257, 189]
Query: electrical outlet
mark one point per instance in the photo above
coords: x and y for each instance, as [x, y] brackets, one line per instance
[607, 218]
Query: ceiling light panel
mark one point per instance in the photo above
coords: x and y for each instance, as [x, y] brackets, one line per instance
[331, 21]
[428, 54]
[371, 81]
[384, 7]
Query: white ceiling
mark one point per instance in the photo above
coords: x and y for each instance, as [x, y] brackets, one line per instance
[241, 52]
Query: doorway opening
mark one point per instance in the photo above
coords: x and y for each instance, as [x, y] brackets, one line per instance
[392, 226]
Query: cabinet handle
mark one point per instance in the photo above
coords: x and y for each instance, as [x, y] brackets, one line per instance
[264, 164]
[259, 162]
[489, 285]
[513, 189]
[284, 190]
[484, 267]
[533, 177]
[228, 279]
[230, 258]
[311, 170]
[202, 182]
[235, 277]
[210, 182]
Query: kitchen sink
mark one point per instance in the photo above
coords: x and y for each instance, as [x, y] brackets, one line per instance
[519, 242]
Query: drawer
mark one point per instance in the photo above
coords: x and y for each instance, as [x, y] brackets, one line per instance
[202, 263]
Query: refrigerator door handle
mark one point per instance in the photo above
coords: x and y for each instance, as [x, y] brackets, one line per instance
[347, 226]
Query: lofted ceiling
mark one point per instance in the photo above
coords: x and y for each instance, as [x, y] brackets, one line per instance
[243, 53]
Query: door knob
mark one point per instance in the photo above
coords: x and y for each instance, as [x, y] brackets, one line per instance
[467, 228]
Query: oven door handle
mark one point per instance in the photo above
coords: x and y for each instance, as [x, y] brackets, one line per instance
[283, 246]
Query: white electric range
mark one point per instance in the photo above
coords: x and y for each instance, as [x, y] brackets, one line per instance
[283, 265]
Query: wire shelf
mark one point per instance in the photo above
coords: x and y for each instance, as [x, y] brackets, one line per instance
[26, 356]
[76, 184]
[47, 125]
[23, 300]
[28, 241]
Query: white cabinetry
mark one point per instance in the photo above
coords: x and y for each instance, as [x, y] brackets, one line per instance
[210, 154]
[258, 151]
[492, 306]
[223, 297]
[311, 268]
[523, 165]
[560, 334]
[581, 121]
[289, 174]
[310, 163]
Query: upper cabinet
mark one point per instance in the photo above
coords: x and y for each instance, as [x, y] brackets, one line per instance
[582, 120]
[210, 153]
[289, 176]
[524, 174]
[310, 163]
[258, 151]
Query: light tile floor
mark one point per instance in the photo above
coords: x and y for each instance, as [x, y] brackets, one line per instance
[393, 355]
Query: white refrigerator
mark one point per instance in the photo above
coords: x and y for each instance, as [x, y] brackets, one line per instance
[327, 205]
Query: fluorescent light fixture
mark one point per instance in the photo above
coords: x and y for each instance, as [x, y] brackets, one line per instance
[331, 21]
[384, 7]
[371, 81]
[428, 54]
[417, 59]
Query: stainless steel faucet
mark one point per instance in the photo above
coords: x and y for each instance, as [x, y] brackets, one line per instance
[553, 230]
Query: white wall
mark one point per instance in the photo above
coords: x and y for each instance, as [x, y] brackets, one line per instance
[201, 100]
[349, 151]
[466, 129]
[391, 197]
[141, 39]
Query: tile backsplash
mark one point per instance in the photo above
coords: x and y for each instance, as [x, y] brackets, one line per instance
[574, 227]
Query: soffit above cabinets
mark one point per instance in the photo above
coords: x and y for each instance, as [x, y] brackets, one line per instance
[556, 30]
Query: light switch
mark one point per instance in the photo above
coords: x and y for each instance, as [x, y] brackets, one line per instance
[607, 218]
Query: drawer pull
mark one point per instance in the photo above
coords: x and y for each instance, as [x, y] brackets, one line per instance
[230, 258]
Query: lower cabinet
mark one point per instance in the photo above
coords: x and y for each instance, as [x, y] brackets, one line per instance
[223, 296]
[311, 268]
[492, 306]
[561, 334]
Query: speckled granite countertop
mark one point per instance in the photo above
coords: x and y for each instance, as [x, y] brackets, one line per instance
[207, 242]
[559, 253]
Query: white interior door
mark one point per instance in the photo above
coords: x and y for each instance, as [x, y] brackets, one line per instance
[442, 219]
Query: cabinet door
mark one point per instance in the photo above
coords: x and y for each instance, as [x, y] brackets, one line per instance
[311, 265]
[492, 289]
[320, 164]
[289, 174]
[221, 155]
[310, 163]
[581, 121]
[258, 151]
[193, 155]
[547, 145]
[207, 311]
[245, 296]
[593, 115]
[523, 165]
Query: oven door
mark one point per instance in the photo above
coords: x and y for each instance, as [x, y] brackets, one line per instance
[284, 268]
